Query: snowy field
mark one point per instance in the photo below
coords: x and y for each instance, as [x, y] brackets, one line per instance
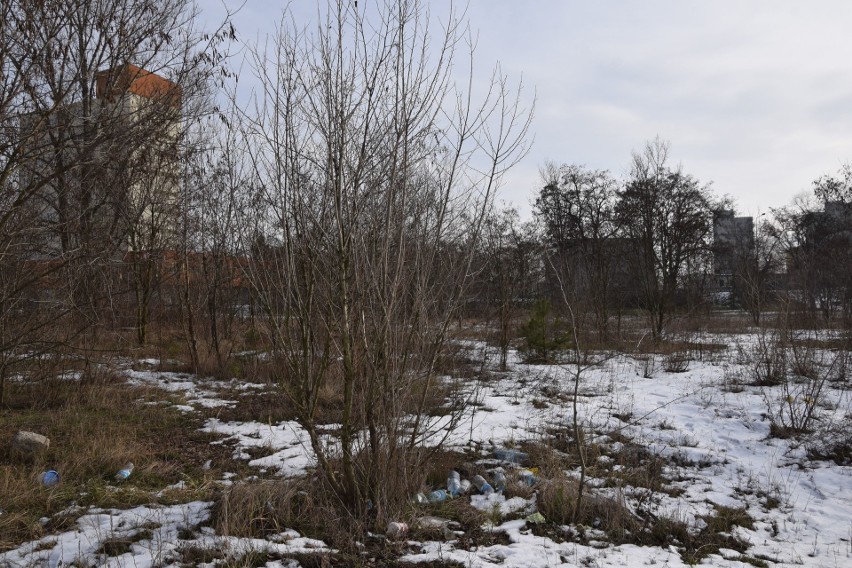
[708, 426]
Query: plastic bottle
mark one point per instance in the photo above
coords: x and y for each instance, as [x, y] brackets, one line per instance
[527, 477]
[124, 472]
[454, 483]
[499, 480]
[483, 486]
[438, 495]
[49, 478]
[512, 456]
[420, 499]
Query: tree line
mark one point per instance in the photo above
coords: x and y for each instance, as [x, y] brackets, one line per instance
[659, 243]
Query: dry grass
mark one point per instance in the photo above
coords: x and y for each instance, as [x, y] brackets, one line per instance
[557, 501]
[441, 462]
[116, 546]
[609, 513]
[261, 508]
[833, 441]
[99, 423]
[637, 467]
[269, 406]
[694, 546]
[677, 362]
[715, 321]
[95, 426]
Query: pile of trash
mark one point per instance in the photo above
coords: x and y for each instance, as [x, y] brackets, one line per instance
[457, 486]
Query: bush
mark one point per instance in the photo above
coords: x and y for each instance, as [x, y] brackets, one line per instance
[797, 406]
[677, 362]
[768, 363]
[542, 334]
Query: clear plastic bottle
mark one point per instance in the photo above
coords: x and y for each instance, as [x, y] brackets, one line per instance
[454, 483]
[499, 480]
[438, 495]
[527, 477]
[510, 455]
[483, 486]
[124, 472]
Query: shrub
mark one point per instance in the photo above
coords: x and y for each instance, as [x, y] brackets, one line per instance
[677, 362]
[796, 406]
[833, 442]
[542, 334]
[768, 363]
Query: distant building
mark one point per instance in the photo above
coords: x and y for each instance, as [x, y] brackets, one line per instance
[104, 170]
[832, 225]
[733, 242]
[135, 87]
[821, 266]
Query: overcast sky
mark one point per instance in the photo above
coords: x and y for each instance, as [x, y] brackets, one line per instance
[754, 96]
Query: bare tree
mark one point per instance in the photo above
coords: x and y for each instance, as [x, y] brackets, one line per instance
[834, 189]
[373, 174]
[666, 215]
[89, 155]
[756, 270]
[41, 100]
[509, 254]
[830, 236]
[576, 207]
[815, 237]
[210, 247]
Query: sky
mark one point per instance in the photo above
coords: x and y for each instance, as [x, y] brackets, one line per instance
[754, 97]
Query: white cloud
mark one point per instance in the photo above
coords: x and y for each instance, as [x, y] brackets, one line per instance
[755, 96]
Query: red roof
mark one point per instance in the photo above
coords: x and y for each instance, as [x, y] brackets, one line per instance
[132, 79]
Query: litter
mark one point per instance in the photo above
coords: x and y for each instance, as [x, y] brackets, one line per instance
[124, 472]
[30, 442]
[528, 477]
[454, 483]
[432, 497]
[512, 456]
[483, 486]
[396, 530]
[49, 478]
[437, 496]
[499, 480]
[536, 518]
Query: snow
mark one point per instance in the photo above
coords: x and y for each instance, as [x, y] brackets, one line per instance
[198, 392]
[722, 438]
[506, 506]
[529, 551]
[161, 548]
[717, 442]
[82, 543]
[292, 455]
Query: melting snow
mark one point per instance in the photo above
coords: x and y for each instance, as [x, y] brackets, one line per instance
[718, 440]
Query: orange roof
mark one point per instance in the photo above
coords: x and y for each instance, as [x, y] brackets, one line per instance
[133, 79]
